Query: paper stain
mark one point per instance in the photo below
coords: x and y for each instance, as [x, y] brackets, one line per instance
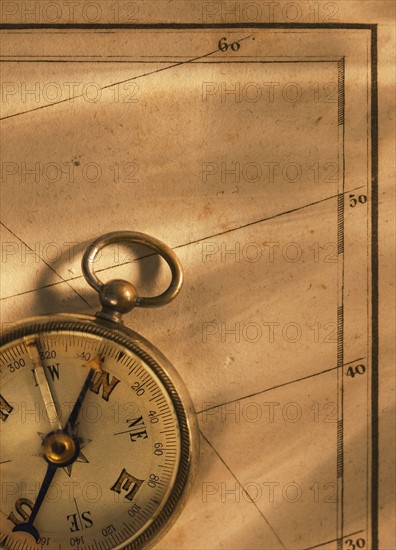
[228, 361]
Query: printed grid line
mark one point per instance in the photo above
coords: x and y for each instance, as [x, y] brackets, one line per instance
[196, 241]
[340, 305]
[124, 81]
[279, 386]
[244, 490]
[47, 264]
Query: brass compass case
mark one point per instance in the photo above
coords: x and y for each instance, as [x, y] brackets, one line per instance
[147, 442]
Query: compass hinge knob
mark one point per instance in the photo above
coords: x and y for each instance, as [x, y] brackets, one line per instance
[117, 298]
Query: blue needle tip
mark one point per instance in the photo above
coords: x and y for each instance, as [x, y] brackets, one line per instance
[28, 528]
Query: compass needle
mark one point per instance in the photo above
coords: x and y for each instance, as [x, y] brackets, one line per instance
[42, 382]
[80, 399]
[60, 447]
[95, 364]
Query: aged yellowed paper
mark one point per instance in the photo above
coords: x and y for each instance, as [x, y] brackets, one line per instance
[257, 140]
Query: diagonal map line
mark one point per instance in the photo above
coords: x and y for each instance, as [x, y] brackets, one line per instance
[183, 245]
[172, 66]
[47, 264]
[280, 385]
[244, 491]
[334, 540]
[267, 218]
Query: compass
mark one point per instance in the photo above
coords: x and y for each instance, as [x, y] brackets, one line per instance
[98, 432]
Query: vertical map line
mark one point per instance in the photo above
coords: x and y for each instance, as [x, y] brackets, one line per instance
[340, 306]
[374, 290]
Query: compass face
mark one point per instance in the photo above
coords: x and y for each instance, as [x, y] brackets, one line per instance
[112, 476]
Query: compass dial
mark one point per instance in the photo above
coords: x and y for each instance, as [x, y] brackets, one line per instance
[94, 468]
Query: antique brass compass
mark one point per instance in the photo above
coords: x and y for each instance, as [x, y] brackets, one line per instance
[98, 433]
